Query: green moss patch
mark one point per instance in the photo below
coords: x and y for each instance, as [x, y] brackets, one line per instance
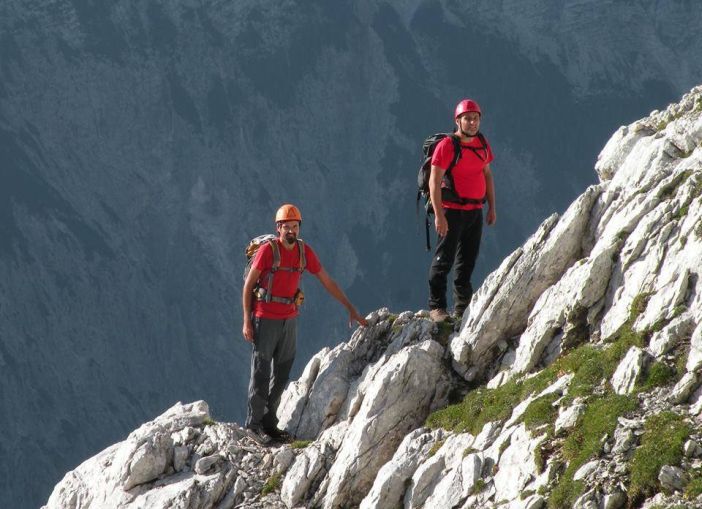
[541, 411]
[435, 448]
[661, 444]
[659, 374]
[585, 442]
[300, 444]
[694, 487]
[272, 484]
[483, 405]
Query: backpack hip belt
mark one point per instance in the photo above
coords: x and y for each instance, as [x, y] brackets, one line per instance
[297, 299]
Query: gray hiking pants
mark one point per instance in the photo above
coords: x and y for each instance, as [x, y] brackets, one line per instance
[271, 361]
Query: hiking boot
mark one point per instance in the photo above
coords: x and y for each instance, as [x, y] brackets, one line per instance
[458, 313]
[439, 315]
[279, 435]
[258, 434]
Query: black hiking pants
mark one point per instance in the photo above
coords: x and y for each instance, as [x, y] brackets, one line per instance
[460, 246]
[271, 361]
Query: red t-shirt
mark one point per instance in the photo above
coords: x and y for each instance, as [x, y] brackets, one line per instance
[468, 176]
[285, 283]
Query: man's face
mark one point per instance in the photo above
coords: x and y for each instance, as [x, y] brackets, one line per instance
[469, 123]
[288, 231]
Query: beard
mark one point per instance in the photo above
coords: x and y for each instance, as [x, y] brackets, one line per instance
[290, 238]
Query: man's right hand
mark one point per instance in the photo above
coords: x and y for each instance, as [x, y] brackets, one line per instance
[441, 224]
[248, 331]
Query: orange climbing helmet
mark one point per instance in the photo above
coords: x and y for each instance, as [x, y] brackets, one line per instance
[288, 212]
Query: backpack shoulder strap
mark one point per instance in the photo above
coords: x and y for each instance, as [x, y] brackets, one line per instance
[276, 255]
[303, 258]
[456, 152]
[274, 268]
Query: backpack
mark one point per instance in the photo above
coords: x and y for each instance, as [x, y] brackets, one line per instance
[448, 193]
[261, 293]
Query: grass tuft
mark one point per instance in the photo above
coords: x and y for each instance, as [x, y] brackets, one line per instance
[435, 448]
[271, 485]
[300, 444]
[585, 441]
[661, 444]
[541, 411]
[658, 375]
[694, 487]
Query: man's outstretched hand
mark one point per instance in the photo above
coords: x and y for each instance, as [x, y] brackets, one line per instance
[355, 317]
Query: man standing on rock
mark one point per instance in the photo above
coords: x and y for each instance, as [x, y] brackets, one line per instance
[457, 198]
[270, 311]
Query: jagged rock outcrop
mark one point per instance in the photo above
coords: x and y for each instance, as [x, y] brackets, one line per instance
[584, 357]
[367, 394]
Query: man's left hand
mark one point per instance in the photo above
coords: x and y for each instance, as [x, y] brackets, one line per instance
[491, 217]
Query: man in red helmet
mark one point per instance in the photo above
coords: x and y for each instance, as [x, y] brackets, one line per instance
[457, 199]
[270, 318]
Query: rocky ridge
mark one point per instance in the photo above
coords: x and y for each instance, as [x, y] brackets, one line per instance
[578, 366]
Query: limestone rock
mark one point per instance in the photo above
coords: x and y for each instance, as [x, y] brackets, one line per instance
[587, 469]
[667, 338]
[614, 500]
[692, 449]
[323, 394]
[457, 483]
[694, 360]
[149, 469]
[516, 465]
[501, 306]
[310, 467]
[685, 387]
[580, 287]
[389, 486]
[629, 371]
[428, 474]
[568, 417]
[387, 412]
[672, 478]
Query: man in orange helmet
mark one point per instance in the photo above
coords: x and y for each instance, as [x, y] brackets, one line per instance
[457, 199]
[270, 318]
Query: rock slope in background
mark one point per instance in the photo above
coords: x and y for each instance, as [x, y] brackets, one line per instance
[579, 363]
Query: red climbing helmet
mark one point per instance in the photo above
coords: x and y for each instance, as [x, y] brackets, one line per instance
[465, 106]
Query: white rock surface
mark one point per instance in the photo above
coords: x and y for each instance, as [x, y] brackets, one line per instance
[694, 360]
[139, 472]
[389, 486]
[685, 387]
[629, 371]
[384, 415]
[671, 335]
[501, 306]
[429, 473]
[322, 395]
[516, 465]
[568, 417]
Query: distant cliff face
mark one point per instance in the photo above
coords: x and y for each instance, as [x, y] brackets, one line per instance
[142, 145]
